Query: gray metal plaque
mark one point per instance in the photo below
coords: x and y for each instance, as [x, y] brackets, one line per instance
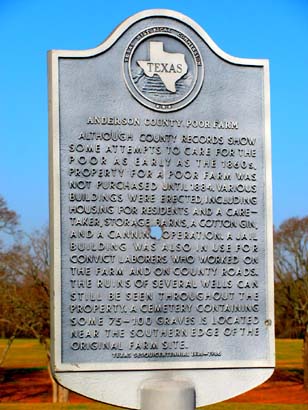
[160, 209]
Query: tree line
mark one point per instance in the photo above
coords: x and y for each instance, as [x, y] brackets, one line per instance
[24, 282]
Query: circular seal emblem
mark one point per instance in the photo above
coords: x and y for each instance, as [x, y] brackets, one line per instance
[163, 69]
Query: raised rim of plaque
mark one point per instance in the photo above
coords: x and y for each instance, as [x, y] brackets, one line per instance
[156, 13]
[153, 93]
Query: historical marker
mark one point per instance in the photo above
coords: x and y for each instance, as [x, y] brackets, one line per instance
[161, 213]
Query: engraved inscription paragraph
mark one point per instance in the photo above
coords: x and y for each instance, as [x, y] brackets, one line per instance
[163, 255]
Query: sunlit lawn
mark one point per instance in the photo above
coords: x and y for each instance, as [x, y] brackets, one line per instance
[90, 406]
[289, 354]
[25, 353]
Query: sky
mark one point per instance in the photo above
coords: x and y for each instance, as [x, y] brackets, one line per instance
[272, 29]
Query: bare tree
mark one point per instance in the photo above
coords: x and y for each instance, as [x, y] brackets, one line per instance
[8, 218]
[24, 289]
[8, 224]
[291, 276]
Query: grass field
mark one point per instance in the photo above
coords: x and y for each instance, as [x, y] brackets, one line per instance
[219, 406]
[31, 355]
[289, 353]
[24, 353]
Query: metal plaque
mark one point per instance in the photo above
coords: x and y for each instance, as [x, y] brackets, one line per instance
[160, 212]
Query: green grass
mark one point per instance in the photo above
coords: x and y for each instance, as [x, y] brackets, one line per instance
[254, 406]
[59, 406]
[289, 353]
[30, 354]
[24, 353]
[90, 406]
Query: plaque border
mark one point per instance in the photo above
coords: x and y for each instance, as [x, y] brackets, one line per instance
[55, 211]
